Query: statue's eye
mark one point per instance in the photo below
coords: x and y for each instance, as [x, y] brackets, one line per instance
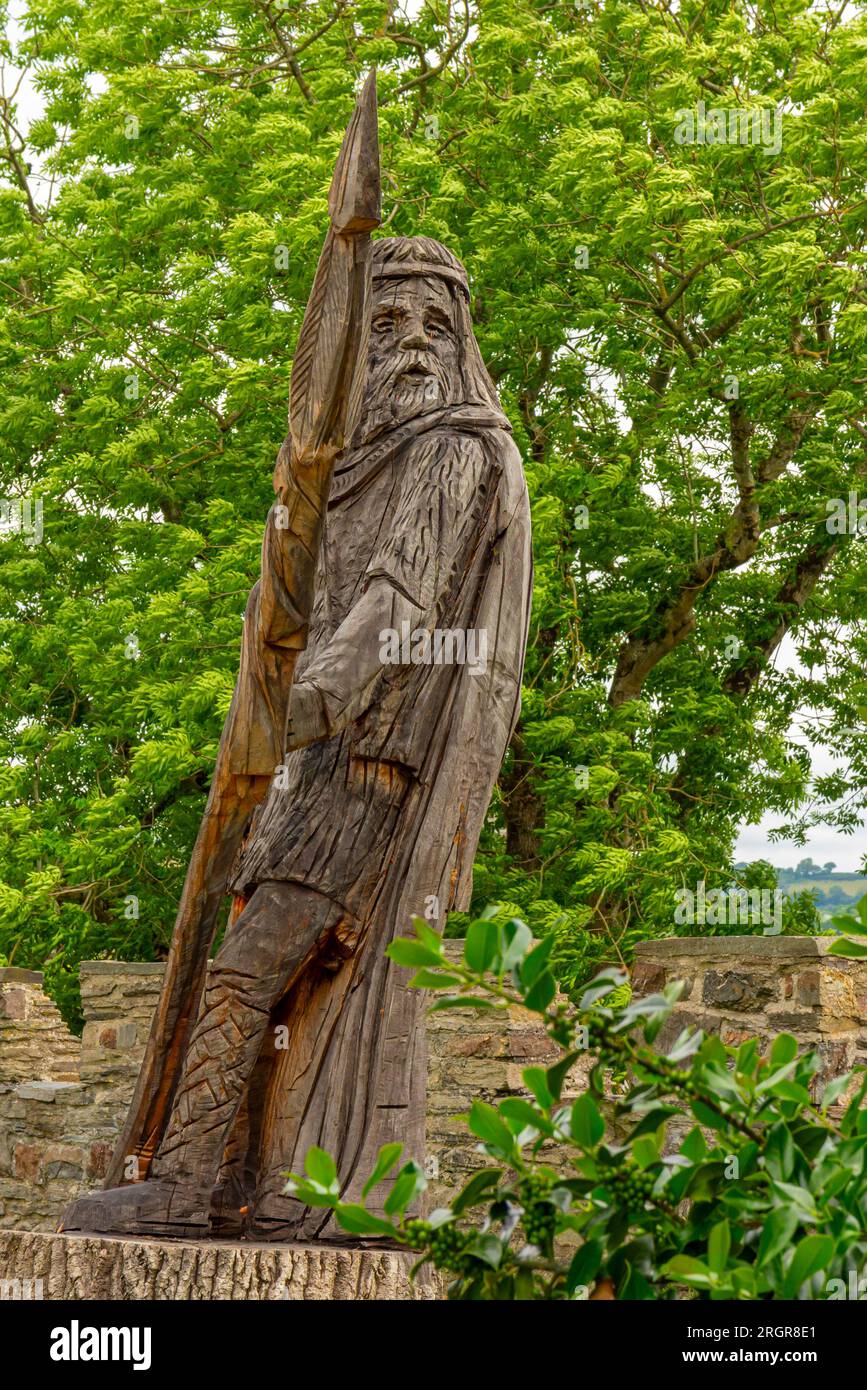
[384, 323]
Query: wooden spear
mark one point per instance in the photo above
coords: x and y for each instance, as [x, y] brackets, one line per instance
[327, 379]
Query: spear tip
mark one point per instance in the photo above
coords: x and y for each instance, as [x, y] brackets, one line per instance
[354, 201]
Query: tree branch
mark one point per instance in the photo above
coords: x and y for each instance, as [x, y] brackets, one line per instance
[286, 49]
[674, 618]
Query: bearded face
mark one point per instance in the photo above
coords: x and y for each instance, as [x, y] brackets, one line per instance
[413, 354]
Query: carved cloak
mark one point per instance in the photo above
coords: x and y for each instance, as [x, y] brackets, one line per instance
[384, 818]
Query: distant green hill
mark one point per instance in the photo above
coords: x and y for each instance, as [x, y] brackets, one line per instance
[833, 892]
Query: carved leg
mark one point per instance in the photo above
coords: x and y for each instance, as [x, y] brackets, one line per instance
[279, 932]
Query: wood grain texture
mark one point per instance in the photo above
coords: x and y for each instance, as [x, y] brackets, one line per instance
[98, 1268]
[379, 688]
[276, 620]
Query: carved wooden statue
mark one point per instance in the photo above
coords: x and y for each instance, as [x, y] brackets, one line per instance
[351, 787]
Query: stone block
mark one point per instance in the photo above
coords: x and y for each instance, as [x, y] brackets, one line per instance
[474, 1045]
[838, 998]
[808, 988]
[12, 975]
[838, 1055]
[738, 990]
[649, 977]
[25, 1161]
[532, 1044]
[742, 950]
[45, 1091]
[733, 1034]
[13, 1003]
[127, 1036]
[678, 1020]
[788, 1022]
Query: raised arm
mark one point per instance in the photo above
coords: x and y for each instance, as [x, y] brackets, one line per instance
[326, 382]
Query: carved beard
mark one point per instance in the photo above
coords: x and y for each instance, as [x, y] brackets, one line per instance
[391, 396]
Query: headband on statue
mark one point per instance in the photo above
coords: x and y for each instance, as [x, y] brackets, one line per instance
[400, 270]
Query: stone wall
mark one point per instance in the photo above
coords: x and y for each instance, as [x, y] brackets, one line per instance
[475, 1054]
[62, 1102]
[118, 1001]
[759, 986]
[34, 1041]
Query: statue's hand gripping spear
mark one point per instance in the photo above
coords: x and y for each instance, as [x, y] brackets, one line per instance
[327, 380]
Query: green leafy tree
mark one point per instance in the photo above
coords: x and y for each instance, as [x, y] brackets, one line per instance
[678, 332]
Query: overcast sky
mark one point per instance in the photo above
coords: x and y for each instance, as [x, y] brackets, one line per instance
[824, 843]
[846, 851]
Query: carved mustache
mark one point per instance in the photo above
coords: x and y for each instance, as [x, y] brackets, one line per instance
[407, 364]
[399, 379]
[415, 366]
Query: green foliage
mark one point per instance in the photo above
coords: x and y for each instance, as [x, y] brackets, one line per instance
[848, 926]
[715, 1174]
[578, 951]
[159, 225]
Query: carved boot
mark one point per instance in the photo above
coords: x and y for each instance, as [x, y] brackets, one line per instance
[223, 1050]
[178, 1197]
[145, 1208]
[260, 957]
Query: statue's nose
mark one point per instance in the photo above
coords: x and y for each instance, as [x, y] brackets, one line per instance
[413, 335]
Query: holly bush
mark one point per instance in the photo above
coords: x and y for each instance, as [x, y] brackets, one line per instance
[712, 1172]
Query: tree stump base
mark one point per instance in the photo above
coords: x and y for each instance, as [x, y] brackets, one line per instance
[129, 1268]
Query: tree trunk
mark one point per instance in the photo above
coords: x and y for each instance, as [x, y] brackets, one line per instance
[118, 1270]
[524, 808]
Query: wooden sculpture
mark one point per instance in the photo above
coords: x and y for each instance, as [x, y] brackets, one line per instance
[378, 689]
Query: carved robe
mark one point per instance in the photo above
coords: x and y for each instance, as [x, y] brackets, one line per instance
[383, 819]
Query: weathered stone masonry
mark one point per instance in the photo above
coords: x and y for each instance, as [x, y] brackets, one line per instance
[62, 1102]
[61, 1099]
[759, 986]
